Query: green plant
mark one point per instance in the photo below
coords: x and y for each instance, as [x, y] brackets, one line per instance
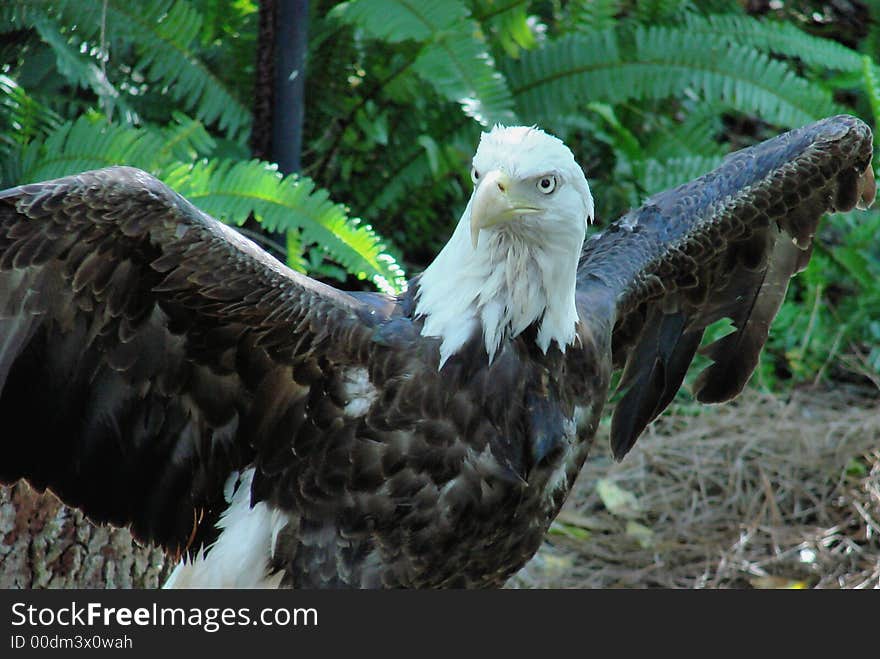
[128, 73]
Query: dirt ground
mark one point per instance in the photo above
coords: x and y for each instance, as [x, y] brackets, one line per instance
[762, 493]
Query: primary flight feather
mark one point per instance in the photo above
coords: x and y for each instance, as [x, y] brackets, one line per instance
[270, 430]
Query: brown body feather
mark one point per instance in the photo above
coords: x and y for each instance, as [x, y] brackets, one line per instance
[150, 351]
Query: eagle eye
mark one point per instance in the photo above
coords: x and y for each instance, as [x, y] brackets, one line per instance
[475, 175]
[547, 184]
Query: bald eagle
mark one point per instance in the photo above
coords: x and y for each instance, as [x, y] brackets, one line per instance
[167, 375]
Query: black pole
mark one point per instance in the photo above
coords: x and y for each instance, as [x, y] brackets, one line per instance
[279, 91]
[291, 41]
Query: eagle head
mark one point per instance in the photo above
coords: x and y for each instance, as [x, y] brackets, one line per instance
[512, 260]
[527, 183]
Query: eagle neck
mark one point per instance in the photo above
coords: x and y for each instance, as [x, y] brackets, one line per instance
[511, 280]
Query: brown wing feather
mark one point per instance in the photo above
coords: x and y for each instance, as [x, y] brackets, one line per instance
[724, 245]
[147, 351]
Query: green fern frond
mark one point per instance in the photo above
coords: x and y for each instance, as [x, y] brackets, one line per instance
[91, 144]
[709, 7]
[661, 175]
[697, 134]
[508, 23]
[663, 63]
[232, 190]
[657, 12]
[86, 144]
[185, 139]
[164, 36]
[25, 117]
[410, 166]
[781, 38]
[674, 61]
[453, 58]
[460, 69]
[228, 189]
[20, 14]
[617, 135]
[567, 73]
[22, 119]
[872, 86]
[81, 69]
[168, 50]
[412, 169]
[593, 16]
[169, 56]
[399, 20]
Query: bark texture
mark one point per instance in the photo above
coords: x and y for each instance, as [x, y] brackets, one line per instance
[45, 544]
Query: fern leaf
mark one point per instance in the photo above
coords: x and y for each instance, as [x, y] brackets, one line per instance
[737, 76]
[232, 190]
[82, 69]
[453, 59]
[86, 144]
[664, 63]
[22, 119]
[19, 14]
[169, 56]
[185, 140]
[696, 135]
[777, 37]
[593, 16]
[709, 7]
[163, 34]
[661, 175]
[565, 74]
[620, 137]
[400, 20]
[413, 169]
[507, 22]
[91, 144]
[872, 86]
[656, 12]
[460, 69]
[228, 189]
[26, 117]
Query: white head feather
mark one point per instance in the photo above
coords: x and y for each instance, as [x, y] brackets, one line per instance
[505, 274]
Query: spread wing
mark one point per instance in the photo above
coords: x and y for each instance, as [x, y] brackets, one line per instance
[724, 245]
[141, 341]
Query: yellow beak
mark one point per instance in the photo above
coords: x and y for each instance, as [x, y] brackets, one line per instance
[493, 204]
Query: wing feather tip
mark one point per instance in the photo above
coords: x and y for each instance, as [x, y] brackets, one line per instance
[621, 443]
[867, 188]
[713, 387]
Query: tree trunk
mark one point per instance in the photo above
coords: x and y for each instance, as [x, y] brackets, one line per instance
[45, 544]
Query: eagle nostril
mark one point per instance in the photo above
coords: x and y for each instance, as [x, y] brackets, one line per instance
[501, 186]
